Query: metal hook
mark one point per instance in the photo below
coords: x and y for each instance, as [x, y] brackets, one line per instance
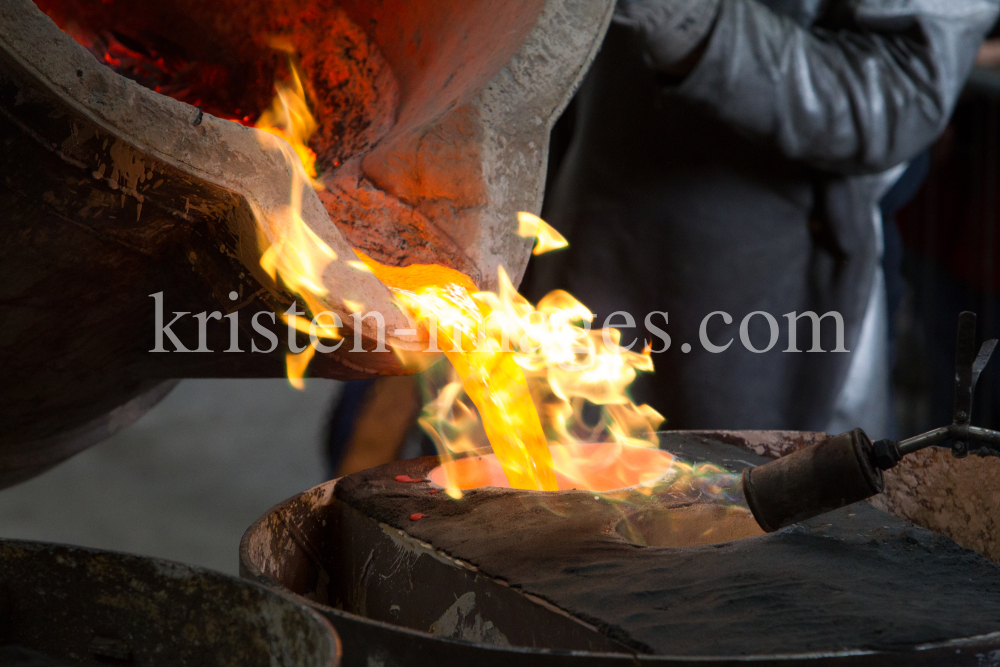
[968, 366]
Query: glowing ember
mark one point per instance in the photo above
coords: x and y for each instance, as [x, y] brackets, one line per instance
[156, 62]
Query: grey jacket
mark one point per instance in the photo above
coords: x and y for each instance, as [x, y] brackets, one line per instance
[752, 185]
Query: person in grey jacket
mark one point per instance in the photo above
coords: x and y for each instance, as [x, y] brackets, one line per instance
[728, 157]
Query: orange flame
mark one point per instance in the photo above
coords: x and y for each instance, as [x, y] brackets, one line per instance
[300, 255]
[445, 299]
[289, 116]
[529, 372]
[529, 224]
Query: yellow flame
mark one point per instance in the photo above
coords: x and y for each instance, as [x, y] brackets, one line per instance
[299, 256]
[289, 117]
[529, 371]
[530, 225]
[490, 376]
[606, 467]
[296, 365]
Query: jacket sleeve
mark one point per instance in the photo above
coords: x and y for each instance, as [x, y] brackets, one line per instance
[866, 89]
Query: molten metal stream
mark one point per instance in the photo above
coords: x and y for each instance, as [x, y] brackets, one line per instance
[525, 398]
[437, 297]
[564, 364]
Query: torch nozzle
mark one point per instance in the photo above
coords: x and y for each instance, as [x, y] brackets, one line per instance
[847, 468]
[815, 480]
[840, 471]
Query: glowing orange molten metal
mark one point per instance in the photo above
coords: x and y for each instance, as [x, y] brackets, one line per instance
[511, 359]
[594, 467]
[445, 299]
[530, 372]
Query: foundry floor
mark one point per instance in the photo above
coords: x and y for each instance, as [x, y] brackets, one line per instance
[186, 480]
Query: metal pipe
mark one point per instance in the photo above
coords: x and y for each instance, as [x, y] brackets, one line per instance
[924, 440]
[960, 432]
[984, 435]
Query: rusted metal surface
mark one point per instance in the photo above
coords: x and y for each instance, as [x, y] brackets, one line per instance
[306, 546]
[318, 550]
[85, 606]
[953, 494]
